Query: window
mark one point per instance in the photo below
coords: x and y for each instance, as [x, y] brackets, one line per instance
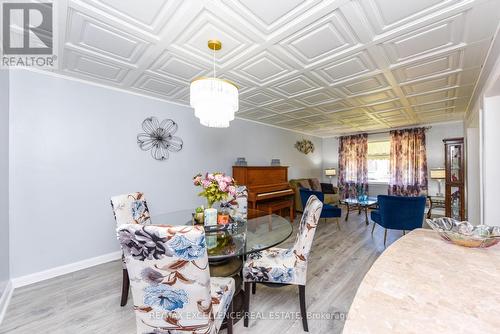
[378, 161]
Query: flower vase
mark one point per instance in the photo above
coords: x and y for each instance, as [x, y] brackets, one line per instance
[210, 216]
[361, 195]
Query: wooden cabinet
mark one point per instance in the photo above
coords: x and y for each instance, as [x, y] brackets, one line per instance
[455, 176]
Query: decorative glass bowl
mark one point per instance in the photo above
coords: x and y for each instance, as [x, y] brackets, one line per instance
[464, 233]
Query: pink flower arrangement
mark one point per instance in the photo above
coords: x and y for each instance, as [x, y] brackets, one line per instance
[216, 186]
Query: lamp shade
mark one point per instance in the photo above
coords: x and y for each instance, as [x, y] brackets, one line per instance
[330, 172]
[438, 173]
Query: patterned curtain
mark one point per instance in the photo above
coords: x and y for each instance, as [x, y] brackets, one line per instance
[408, 163]
[353, 165]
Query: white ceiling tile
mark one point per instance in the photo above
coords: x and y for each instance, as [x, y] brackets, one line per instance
[301, 113]
[93, 67]
[428, 67]
[473, 55]
[192, 42]
[181, 69]
[347, 68]
[317, 97]
[435, 96]
[275, 119]
[430, 85]
[151, 18]
[376, 97]
[364, 85]
[284, 106]
[256, 114]
[270, 17]
[269, 14]
[292, 123]
[387, 14]
[260, 98]
[103, 39]
[428, 39]
[262, 68]
[297, 85]
[317, 118]
[335, 106]
[321, 39]
[395, 104]
[434, 106]
[157, 86]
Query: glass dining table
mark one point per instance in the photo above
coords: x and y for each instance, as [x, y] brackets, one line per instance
[240, 237]
[228, 245]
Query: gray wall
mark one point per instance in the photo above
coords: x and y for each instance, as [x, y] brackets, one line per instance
[435, 152]
[4, 179]
[74, 146]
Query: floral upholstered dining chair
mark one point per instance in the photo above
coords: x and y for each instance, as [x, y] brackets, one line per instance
[170, 280]
[239, 203]
[279, 266]
[129, 209]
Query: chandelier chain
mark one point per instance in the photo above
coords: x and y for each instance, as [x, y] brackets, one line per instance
[213, 52]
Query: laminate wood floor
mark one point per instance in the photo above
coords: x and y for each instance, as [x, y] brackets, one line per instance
[87, 301]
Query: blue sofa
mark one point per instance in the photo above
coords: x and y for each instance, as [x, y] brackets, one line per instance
[399, 213]
[328, 211]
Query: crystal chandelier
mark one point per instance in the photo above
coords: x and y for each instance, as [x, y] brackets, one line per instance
[214, 100]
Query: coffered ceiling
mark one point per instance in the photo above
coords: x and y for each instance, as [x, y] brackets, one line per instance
[320, 67]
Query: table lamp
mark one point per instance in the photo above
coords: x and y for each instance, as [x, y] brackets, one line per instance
[330, 172]
[438, 174]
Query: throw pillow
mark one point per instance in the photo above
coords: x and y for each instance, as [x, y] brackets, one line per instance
[315, 184]
[304, 184]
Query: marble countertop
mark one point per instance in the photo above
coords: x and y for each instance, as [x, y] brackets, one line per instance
[422, 284]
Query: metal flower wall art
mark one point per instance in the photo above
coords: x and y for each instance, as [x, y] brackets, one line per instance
[305, 146]
[158, 137]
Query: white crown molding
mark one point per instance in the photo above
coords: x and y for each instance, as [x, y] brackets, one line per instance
[63, 270]
[5, 299]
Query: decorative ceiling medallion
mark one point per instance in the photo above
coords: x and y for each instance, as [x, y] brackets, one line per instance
[159, 138]
[214, 100]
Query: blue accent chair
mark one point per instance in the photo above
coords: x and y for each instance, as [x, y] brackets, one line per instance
[399, 213]
[328, 211]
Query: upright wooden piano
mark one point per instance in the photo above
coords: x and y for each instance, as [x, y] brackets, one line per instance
[267, 185]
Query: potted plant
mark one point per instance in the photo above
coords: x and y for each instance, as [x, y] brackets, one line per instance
[216, 188]
[198, 215]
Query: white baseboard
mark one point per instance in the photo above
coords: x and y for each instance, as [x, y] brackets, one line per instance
[5, 299]
[63, 270]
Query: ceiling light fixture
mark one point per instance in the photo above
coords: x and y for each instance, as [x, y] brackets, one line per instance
[214, 100]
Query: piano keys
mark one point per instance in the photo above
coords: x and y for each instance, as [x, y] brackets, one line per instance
[265, 185]
[273, 194]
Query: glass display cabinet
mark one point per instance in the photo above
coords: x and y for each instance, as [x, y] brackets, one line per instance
[454, 165]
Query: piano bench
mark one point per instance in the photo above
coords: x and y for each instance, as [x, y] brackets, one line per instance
[275, 206]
